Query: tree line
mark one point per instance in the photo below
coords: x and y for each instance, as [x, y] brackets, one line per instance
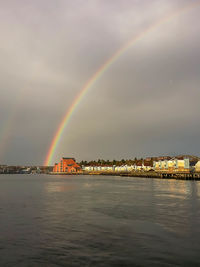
[102, 162]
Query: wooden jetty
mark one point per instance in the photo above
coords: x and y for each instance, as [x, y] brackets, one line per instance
[151, 174]
[162, 175]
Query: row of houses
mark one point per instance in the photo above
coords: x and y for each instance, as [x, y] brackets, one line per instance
[174, 165]
[123, 168]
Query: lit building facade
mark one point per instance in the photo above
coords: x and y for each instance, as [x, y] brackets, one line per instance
[172, 165]
[67, 165]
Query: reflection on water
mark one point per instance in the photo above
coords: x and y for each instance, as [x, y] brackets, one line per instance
[58, 187]
[98, 221]
[175, 187]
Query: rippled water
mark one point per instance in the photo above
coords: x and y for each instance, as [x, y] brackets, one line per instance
[98, 221]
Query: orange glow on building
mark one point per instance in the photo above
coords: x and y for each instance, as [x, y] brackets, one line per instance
[67, 165]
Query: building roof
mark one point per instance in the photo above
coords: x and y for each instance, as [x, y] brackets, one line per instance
[68, 158]
[148, 164]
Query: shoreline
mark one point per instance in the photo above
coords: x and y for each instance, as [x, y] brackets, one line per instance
[176, 176]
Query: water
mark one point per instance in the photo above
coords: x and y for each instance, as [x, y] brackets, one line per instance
[98, 221]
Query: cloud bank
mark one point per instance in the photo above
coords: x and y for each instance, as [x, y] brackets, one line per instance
[145, 104]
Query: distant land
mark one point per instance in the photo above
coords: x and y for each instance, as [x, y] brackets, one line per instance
[21, 169]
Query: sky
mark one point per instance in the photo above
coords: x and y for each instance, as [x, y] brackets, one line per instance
[145, 104]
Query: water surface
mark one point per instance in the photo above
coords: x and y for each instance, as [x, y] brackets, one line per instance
[98, 221]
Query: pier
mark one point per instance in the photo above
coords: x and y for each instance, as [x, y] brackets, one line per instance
[177, 176]
[151, 174]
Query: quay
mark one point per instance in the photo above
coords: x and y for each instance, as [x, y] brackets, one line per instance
[152, 174]
[177, 176]
[66, 173]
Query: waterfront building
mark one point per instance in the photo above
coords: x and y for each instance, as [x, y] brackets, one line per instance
[172, 165]
[197, 166]
[55, 168]
[138, 166]
[98, 168]
[68, 165]
[147, 166]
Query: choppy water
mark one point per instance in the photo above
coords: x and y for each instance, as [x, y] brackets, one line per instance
[98, 221]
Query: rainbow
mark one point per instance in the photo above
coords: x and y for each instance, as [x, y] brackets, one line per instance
[65, 121]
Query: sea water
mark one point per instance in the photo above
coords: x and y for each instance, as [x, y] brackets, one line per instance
[48, 220]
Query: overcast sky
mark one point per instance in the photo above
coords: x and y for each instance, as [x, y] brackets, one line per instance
[147, 103]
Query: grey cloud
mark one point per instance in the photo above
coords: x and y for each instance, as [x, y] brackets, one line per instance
[145, 103]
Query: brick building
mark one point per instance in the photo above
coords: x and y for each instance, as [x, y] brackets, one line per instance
[67, 165]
